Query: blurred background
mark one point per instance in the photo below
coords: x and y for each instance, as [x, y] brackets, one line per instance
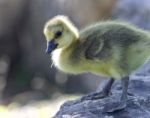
[29, 86]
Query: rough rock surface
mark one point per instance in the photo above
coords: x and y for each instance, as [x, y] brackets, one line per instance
[138, 105]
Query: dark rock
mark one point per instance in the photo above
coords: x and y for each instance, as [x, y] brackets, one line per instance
[138, 105]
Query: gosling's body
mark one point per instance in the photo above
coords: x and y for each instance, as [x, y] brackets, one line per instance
[106, 48]
[115, 50]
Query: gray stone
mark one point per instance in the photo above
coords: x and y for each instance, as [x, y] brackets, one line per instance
[138, 105]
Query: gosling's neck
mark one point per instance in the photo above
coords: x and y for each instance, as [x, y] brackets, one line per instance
[61, 56]
[71, 45]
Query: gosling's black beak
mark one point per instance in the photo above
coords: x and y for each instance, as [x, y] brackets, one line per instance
[51, 46]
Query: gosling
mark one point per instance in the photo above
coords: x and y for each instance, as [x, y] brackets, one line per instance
[113, 49]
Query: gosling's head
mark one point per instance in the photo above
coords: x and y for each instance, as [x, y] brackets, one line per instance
[59, 33]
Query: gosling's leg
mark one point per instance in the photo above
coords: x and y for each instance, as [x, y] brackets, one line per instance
[100, 93]
[116, 106]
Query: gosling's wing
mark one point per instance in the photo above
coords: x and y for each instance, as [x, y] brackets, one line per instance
[96, 46]
[97, 49]
[102, 40]
[93, 41]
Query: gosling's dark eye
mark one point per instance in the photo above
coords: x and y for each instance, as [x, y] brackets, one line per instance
[58, 34]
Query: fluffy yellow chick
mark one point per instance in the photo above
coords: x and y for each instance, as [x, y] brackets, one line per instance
[112, 49]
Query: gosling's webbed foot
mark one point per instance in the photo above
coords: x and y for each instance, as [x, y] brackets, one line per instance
[104, 92]
[94, 96]
[114, 106]
[130, 94]
[120, 105]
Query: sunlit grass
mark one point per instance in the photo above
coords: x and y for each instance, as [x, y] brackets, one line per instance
[41, 109]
